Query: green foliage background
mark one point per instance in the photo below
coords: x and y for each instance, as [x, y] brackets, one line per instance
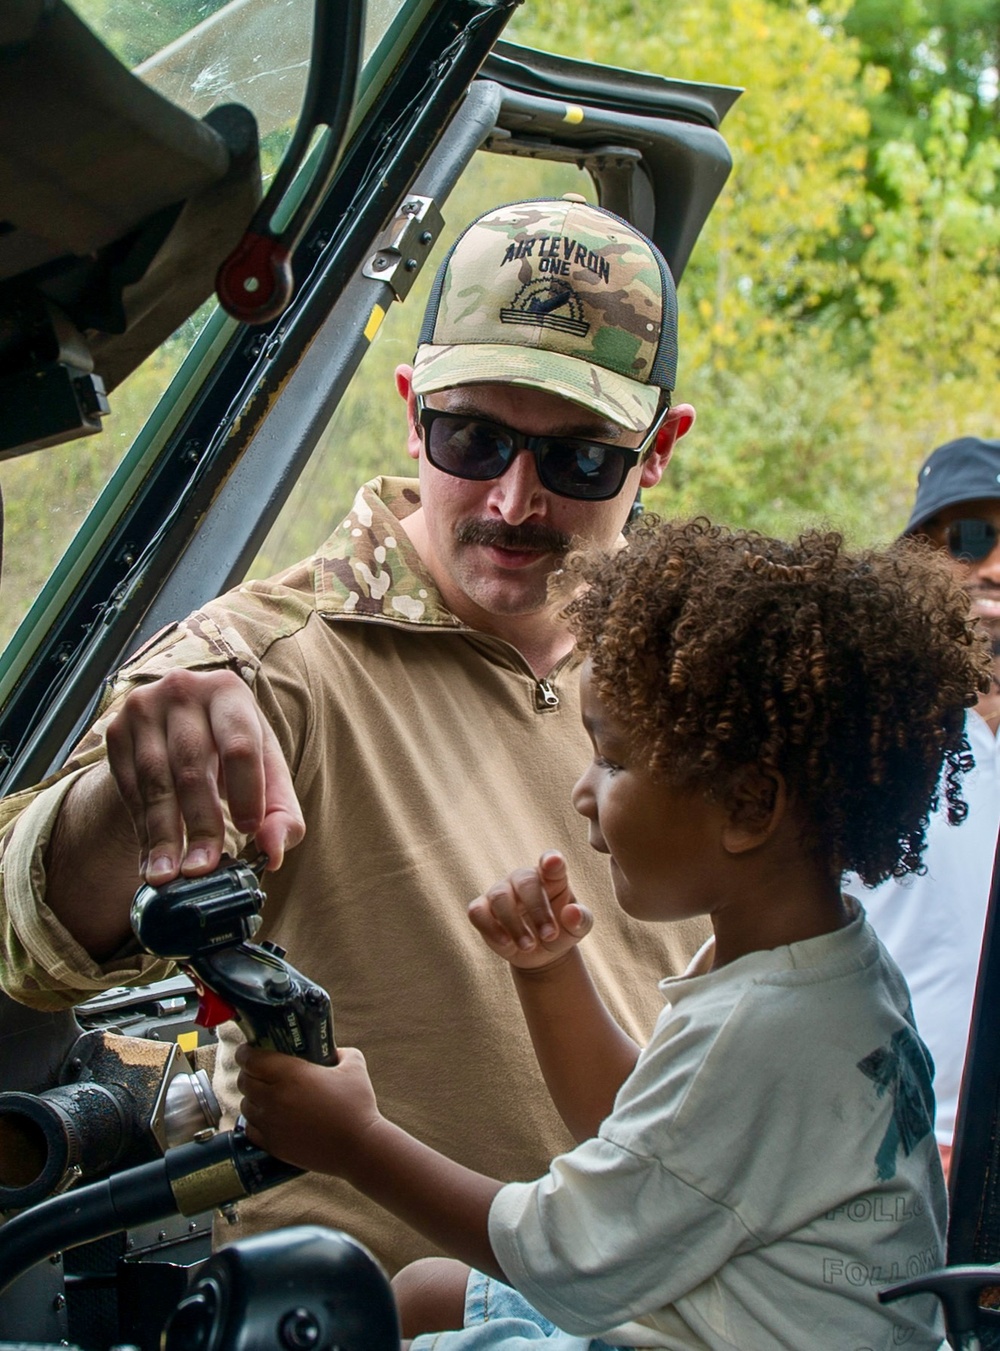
[838, 315]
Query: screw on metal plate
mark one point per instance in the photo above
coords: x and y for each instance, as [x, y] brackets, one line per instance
[402, 249]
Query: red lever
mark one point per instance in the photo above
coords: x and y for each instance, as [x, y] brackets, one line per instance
[254, 284]
[211, 1009]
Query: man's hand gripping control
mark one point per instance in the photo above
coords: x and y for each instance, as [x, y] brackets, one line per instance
[180, 749]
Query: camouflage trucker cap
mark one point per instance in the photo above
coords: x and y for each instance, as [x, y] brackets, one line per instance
[560, 296]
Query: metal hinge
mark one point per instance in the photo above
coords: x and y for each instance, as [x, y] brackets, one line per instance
[403, 248]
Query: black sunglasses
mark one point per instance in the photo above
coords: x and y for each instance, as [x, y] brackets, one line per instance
[971, 539]
[472, 447]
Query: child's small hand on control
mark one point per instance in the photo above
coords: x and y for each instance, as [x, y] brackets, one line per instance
[315, 1116]
[531, 918]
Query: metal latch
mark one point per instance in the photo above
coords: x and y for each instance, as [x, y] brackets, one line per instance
[403, 248]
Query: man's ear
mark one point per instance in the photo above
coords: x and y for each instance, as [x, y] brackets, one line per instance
[404, 387]
[756, 800]
[677, 423]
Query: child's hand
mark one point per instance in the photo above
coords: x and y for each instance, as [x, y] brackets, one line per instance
[531, 918]
[311, 1115]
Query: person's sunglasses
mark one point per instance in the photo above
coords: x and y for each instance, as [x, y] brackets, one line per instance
[472, 447]
[971, 539]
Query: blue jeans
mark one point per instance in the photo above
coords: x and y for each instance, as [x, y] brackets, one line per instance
[497, 1316]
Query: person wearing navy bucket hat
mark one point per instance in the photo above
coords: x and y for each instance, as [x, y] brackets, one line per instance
[964, 472]
[933, 924]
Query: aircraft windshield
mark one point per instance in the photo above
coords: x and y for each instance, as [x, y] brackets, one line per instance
[199, 54]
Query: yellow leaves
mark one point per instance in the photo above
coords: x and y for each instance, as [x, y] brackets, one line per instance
[874, 80]
[829, 339]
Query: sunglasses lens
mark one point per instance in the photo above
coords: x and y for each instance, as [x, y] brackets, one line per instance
[472, 448]
[582, 469]
[467, 447]
[971, 540]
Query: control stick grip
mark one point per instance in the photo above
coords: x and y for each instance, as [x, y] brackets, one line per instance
[274, 1005]
[205, 924]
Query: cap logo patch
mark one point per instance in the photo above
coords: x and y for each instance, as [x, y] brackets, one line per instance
[556, 253]
[537, 304]
[555, 295]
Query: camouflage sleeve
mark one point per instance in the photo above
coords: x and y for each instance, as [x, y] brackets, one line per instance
[41, 964]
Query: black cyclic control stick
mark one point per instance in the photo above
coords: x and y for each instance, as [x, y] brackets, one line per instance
[205, 925]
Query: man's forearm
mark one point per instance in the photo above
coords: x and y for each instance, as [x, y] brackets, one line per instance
[92, 864]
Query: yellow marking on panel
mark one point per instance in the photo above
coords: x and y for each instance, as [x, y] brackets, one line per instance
[187, 1041]
[374, 321]
[574, 113]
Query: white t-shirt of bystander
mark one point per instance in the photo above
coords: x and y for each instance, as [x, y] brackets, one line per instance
[933, 924]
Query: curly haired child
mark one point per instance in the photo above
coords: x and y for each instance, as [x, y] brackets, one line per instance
[764, 716]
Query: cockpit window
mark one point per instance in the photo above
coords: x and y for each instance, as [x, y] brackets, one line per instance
[199, 54]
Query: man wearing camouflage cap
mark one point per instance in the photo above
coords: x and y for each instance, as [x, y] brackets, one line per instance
[410, 694]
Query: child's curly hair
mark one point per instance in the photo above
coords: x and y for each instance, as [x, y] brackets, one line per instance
[847, 672]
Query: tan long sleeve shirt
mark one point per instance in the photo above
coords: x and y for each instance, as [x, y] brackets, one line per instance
[429, 762]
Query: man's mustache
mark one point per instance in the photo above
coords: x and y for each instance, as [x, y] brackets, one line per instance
[528, 537]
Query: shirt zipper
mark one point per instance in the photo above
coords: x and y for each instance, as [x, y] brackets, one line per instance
[545, 696]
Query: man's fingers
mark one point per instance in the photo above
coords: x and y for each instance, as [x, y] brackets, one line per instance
[283, 825]
[140, 762]
[194, 776]
[237, 730]
[181, 748]
[121, 763]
